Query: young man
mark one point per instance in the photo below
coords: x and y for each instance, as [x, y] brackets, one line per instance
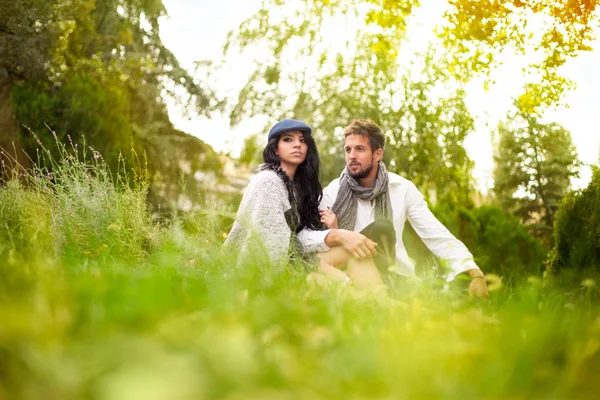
[369, 199]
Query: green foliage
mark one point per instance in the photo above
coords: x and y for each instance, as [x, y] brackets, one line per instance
[334, 84]
[99, 301]
[85, 108]
[534, 165]
[25, 222]
[498, 242]
[331, 83]
[251, 154]
[96, 217]
[75, 209]
[577, 230]
[104, 73]
[176, 319]
[26, 38]
[478, 33]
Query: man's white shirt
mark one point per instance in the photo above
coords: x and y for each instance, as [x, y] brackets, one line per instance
[407, 203]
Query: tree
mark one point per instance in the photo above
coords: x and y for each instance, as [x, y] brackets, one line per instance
[96, 74]
[251, 154]
[304, 73]
[577, 230]
[478, 33]
[534, 165]
[307, 75]
[25, 51]
[24, 54]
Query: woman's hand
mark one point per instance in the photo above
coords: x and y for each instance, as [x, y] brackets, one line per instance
[328, 218]
[326, 274]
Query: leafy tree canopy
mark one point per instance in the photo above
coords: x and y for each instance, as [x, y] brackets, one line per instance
[305, 72]
[577, 231]
[99, 70]
[534, 165]
[479, 32]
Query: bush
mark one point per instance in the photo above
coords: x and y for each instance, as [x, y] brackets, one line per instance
[25, 222]
[73, 207]
[97, 217]
[499, 242]
[577, 230]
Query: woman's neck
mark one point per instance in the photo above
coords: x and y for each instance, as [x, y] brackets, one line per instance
[290, 170]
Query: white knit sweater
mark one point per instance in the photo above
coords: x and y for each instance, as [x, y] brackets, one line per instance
[260, 223]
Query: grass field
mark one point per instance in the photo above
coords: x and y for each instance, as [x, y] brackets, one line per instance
[100, 301]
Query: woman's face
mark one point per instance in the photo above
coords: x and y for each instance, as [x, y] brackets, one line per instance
[292, 148]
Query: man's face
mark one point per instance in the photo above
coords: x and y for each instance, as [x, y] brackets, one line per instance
[360, 159]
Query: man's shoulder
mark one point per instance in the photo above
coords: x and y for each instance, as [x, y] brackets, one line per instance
[401, 186]
[396, 179]
[334, 184]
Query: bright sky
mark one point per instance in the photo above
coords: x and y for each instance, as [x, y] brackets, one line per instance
[197, 29]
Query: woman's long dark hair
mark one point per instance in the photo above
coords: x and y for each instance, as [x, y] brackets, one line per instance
[308, 190]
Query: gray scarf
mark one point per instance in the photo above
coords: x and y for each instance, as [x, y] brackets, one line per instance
[345, 204]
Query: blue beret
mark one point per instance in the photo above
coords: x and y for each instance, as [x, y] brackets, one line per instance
[289, 125]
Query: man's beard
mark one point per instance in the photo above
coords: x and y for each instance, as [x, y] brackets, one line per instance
[362, 173]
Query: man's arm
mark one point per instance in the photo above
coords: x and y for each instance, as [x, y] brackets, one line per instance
[442, 243]
[358, 245]
[437, 237]
[355, 243]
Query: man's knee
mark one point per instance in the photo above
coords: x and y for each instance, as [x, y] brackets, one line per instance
[380, 229]
[383, 227]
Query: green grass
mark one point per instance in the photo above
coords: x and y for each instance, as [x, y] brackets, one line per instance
[98, 301]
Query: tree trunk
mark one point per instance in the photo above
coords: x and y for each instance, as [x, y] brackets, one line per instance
[11, 147]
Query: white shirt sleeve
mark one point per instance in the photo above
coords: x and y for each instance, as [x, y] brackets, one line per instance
[314, 241]
[436, 236]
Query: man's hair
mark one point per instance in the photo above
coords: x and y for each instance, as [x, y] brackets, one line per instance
[367, 128]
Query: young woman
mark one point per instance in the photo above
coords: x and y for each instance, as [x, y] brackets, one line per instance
[282, 199]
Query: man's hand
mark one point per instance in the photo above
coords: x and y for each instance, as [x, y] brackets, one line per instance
[478, 287]
[328, 218]
[357, 244]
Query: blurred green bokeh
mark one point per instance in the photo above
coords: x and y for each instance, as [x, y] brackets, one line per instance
[99, 301]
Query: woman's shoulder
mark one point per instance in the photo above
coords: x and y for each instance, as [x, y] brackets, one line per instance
[266, 189]
[266, 180]
[267, 177]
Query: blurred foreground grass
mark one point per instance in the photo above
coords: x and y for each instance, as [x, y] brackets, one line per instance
[98, 301]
